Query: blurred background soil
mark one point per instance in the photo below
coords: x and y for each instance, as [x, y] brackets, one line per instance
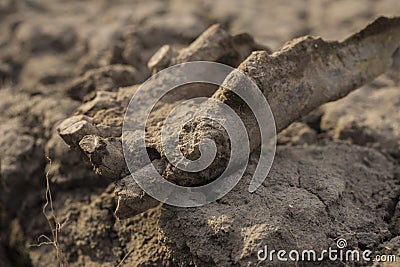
[339, 167]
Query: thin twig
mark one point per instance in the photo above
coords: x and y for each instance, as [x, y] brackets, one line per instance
[56, 227]
[124, 258]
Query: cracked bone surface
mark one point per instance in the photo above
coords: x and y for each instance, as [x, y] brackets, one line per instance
[304, 74]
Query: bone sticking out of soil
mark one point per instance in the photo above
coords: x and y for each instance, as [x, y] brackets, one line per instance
[304, 74]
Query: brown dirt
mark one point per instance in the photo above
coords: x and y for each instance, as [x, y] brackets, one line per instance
[336, 173]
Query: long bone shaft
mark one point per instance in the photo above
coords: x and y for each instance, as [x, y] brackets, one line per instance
[306, 73]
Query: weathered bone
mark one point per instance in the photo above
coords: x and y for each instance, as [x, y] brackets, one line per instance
[215, 44]
[304, 74]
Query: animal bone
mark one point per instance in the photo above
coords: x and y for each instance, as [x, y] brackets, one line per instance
[215, 44]
[304, 74]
